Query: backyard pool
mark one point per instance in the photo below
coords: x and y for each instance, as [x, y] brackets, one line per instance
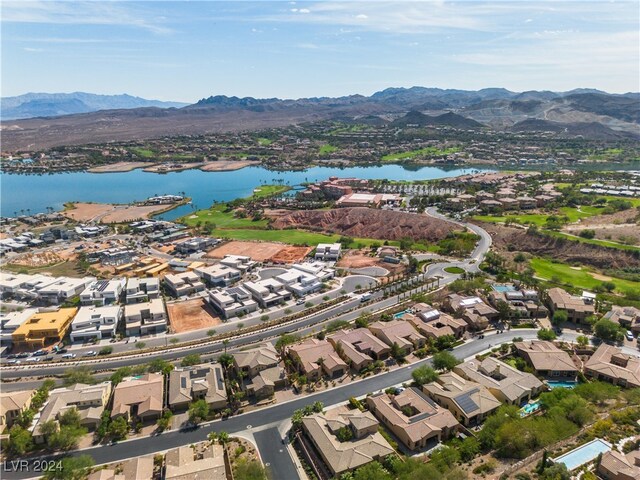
[503, 288]
[583, 454]
[561, 384]
[399, 314]
[530, 408]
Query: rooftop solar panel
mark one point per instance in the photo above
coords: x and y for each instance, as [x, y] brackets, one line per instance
[466, 403]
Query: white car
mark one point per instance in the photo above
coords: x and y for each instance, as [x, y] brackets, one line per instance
[69, 355]
[300, 301]
[91, 353]
[33, 359]
[630, 335]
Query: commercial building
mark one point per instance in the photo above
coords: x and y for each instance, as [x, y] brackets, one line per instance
[103, 292]
[12, 404]
[577, 308]
[89, 400]
[43, 328]
[359, 347]
[141, 290]
[145, 318]
[365, 444]
[507, 384]
[313, 357]
[190, 384]
[184, 283]
[139, 398]
[400, 333]
[609, 364]
[470, 402]
[328, 252]
[232, 301]
[547, 359]
[372, 200]
[415, 419]
[96, 322]
[182, 464]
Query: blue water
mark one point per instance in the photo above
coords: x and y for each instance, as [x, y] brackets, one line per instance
[503, 288]
[529, 408]
[583, 454]
[561, 384]
[399, 314]
[37, 192]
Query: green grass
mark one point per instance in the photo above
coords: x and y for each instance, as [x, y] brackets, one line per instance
[63, 269]
[265, 142]
[423, 152]
[269, 190]
[540, 219]
[326, 149]
[222, 219]
[581, 278]
[143, 152]
[592, 241]
[456, 270]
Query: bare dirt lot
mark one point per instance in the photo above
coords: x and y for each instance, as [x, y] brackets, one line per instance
[290, 255]
[106, 213]
[617, 227]
[118, 167]
[191, 315]
[259, 251]
[362, 259]
[227, 165]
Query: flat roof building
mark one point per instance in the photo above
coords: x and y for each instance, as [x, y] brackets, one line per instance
[145, 318]
[103, 292]
[328, 252]
[142, 289]
[43, 328]
[183, 284]
[231, 301]
[10, 321]
[96, 323]
[63, 289]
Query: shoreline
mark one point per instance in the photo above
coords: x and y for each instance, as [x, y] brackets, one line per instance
[70, 206]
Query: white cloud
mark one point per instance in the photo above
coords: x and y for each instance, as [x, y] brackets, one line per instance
[362, 16]
[81, 13]
[31, 49]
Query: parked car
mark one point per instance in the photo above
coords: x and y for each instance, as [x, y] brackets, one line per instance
[300, 301]
[630, 335]
[14, 362]
[62, 350]
[39, 353]
[69, 355]
[23, 355]
[33, 359]
[91, 353]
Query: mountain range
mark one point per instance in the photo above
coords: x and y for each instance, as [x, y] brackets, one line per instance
[32, 105]
[586, 112]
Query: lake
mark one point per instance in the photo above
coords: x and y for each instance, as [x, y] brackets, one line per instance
[37, 192]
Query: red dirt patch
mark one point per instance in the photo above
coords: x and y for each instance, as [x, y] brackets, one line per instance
[368, 223]
[191, 315]
[291, 255]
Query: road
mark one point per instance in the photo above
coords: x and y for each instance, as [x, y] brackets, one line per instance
[279, 412]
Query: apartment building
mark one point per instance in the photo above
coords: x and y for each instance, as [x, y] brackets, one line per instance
[359, 347]
[96, 323]
[399, 332]
[139, 398]
[141, 290]
[183, 284]
[103, 292]
[145, 318]
[232, 301]
[43, 328]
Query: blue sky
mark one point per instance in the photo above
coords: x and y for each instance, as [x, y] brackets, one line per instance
[184, 51]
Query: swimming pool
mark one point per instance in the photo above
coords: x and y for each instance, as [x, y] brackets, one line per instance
[529, 408]
[399, 314]
[583, 454]
[503, 288]
[561, 384]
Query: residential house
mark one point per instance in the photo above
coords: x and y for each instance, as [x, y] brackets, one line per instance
[523, 304]
[365, 445]
[473, 310]
[432, 323]
[240, 262]
[12, 404]
[398, 332]
[139, 398]
[299, 282]
[183, 284]
[63, 289]
[145, 318]
[470, 402]
[103, 292]
[627, 317]
[96, 323]
[619, 466]
[232, 301]
[313, 357]
[261, 370]
[547, 359]
[578, 308]
[195, 244]
[609, 364]
[89, 400]
[203, 382]
[328, 252]
[317, 269]
[415, 419]
[507, 384]
[182, 464]
[142, 289]
[218, 275]
[10, 321]
[43, 328]
[268, 292]
[359, 347]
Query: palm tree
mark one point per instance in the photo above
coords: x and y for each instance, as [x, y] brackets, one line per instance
[225, 342]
